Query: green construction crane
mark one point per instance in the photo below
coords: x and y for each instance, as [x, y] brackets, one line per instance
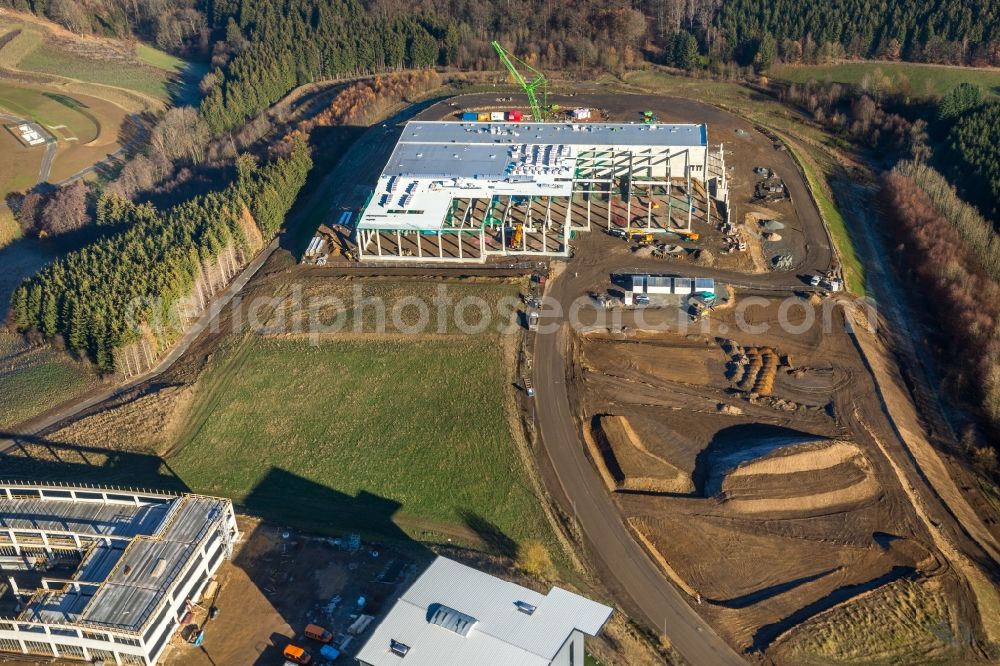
[529, 87]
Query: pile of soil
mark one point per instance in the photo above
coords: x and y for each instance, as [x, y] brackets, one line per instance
[632, 464]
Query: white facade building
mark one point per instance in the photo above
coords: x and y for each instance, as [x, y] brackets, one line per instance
[105, 574]
[454, 615]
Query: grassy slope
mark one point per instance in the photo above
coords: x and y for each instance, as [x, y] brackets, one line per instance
[160, 59]
[888, 626]
[34, 103]
[420, 423]
[32, 381]
[923, 79]
[35, 50]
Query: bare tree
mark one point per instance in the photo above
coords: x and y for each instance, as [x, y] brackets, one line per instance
[66, 210]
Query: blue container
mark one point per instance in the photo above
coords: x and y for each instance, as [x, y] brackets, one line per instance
[473, 117]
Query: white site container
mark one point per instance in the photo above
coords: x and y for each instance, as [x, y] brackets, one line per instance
[683, 286]
[658, 285]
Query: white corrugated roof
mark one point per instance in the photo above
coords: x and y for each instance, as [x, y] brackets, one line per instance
[502, 634]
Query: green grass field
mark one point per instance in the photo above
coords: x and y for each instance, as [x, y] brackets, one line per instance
[923, 79]
[149, 72]
[143, 79]
[160, 59]
[331, 437]
[33, 380]
[50, 109]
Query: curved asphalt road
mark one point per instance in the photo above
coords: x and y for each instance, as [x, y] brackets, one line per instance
[599, 519]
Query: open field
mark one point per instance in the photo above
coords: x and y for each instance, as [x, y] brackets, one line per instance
[372, 429]
[159, 59]
[35, 378]
[442, 450]
[9, 228]
[44, 49]
[86, 128]
[887, 626]
[50, 109]
[923, 79]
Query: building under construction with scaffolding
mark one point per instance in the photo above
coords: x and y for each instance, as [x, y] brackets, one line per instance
[473, 191]
[104, 575]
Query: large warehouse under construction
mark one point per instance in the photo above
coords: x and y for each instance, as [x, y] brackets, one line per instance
[104, 575]
[468, 191]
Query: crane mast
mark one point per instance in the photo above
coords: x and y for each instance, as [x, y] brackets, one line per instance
[530, 87]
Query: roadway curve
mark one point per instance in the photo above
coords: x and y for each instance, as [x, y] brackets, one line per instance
[597, 516]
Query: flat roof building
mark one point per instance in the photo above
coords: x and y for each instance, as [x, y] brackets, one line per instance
[463, 191]
[103, 573]
[454, 615]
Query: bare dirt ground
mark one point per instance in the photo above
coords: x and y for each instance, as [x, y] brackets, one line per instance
[791, 514]
[278, 582]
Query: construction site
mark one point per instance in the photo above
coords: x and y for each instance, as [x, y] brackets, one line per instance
[105, 575]
[724, 434]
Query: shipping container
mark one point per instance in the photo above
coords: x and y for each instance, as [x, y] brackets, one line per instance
[682, 286]
[484, 117]
[470, 116]
[658, 285]
[497, 116]
[514, 116]
[704, 285]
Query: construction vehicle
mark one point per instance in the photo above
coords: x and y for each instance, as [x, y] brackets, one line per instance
[296, 654]
[641, 237]
[686, 233]
[517, 236]
[531, 88]
[318, 633]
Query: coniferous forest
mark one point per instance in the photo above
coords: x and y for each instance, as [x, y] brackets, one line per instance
[130, 283]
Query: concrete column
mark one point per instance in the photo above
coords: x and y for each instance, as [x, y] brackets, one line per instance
[378, 241]
[459, 244]
[610, 185]
[399, 243]
[440, 246]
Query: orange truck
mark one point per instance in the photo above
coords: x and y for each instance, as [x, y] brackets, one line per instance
[318, 633]
[297, 655]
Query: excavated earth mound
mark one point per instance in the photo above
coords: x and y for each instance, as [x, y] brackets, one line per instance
[633, 464]
[811, 476]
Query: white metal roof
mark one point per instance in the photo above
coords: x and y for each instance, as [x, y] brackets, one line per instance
[501, 634]
[579, 134]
